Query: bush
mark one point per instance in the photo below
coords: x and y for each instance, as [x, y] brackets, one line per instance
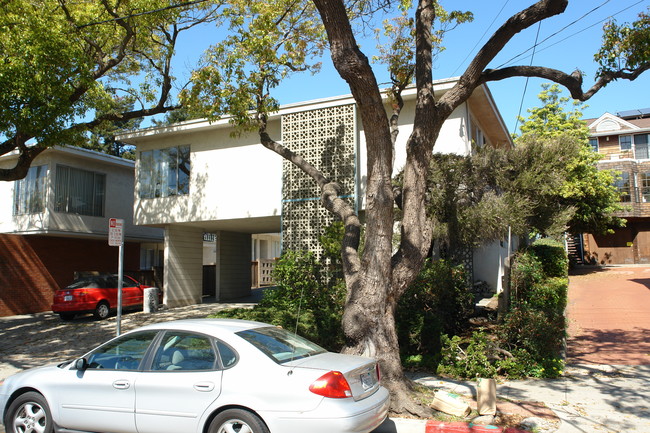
[437, 302]
[552, 256]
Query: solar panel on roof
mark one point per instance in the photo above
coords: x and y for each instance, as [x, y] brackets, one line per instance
[640, 112]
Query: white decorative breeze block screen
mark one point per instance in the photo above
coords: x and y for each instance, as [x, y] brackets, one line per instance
[326, 138]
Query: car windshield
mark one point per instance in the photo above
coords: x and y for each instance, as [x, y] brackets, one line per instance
[280, 345]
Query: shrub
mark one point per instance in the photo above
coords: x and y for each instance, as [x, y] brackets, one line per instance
[552, 256]
[437, 302]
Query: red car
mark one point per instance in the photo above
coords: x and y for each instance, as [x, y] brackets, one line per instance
[97, 294]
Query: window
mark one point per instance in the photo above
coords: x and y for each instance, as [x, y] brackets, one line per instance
[280, 345]
[641, 146]
[644, 183]
[79, 191]
[124, 353]
[593, 143]
[29, 193]
[185, 352]
[625, 141]
[164, 172]
[623, 186]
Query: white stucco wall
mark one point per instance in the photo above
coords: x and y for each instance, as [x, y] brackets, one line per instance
[231, 178]
[452, 139]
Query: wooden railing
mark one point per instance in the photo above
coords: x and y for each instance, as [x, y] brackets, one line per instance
[261, 271]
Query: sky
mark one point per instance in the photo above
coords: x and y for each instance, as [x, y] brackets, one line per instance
[566, 42]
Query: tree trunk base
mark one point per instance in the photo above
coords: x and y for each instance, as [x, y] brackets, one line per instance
[404, 402]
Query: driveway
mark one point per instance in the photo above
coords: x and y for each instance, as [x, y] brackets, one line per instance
[37, 339]
[609, 316]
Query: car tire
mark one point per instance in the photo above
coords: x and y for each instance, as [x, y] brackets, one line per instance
[66, 316]
[102, 310]
[29, 413]
[237, 420]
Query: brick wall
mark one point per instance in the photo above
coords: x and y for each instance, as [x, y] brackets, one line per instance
[33, 267]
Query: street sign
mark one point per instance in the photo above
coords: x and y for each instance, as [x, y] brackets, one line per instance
[115, 232]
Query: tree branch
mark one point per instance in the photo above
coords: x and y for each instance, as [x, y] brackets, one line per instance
[573, 82]
[471, 77]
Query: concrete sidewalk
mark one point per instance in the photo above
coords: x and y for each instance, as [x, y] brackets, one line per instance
[588, 398]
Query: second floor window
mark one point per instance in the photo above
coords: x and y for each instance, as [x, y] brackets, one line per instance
[623, 186]
[29, 193]
[593, 143]
[625, 142]
[79, 191]
[641, 146]
[164, 172]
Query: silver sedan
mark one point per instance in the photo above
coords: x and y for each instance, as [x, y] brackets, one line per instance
[205, 375]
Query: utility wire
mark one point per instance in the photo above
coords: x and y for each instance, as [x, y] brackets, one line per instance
[573, 34]
[179, 5]
[554, 34]
[480, 39]
[523, 95]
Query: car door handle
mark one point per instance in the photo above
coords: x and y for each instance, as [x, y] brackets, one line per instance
[121, 384]
[204, 386]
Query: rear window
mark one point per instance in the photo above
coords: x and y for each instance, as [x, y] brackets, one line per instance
[88, 282]
[280, 345]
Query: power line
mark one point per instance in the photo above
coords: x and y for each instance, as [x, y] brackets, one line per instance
[556, 33]
[575, 33]
[480, 39]
[523, 95]
[153, 11]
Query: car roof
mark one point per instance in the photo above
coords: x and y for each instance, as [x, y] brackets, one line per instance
[207, 326]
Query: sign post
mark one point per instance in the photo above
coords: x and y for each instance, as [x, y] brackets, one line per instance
[116, 239]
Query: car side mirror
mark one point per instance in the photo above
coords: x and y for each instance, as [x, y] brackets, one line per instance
[81, 364]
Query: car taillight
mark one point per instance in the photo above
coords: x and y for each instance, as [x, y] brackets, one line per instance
[331, 385]
[378, 370]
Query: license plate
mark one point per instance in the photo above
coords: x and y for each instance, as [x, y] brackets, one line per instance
[67, 298]
[367, 380]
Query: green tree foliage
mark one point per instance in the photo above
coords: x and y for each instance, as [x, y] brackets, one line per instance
[548, 184]
[626, 47]
[587, 193]
[70, 67]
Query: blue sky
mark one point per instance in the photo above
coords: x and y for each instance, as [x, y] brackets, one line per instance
[567, 50]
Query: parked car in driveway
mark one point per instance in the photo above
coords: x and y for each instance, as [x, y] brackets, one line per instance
[202, 376]
[97, 294]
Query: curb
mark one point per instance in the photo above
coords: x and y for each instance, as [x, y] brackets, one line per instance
[408, 425]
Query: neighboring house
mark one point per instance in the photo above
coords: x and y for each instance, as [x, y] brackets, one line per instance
[196, 177]
[624, 140]
[54, 223]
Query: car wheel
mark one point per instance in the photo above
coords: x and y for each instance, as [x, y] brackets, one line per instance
[66, 316]
[237, 421]
[102, 310]
[29, 413]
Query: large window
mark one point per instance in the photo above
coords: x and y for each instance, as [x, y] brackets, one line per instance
[29, 193]
[644, 183]
[623, 186]
[79, 191]
[164, 172]
[641, 146]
